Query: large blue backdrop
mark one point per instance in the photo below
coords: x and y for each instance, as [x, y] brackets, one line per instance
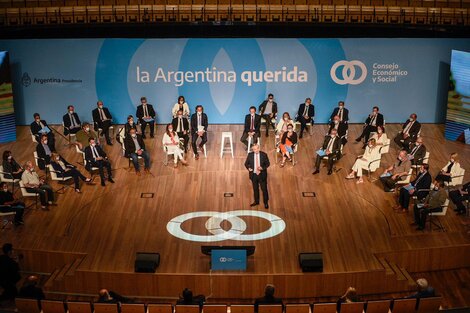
[228, 75]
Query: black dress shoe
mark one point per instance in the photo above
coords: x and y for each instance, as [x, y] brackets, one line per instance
[254, 204]
[329, 172]
[103, 183]
[315, 172]
[152, 136]
[110, 179]
[266, 206]
[143, 136]
[267, 135]
[419, 228]
[301, 135]
[358, 139]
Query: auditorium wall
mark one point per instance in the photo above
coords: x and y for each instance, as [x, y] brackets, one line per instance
[227, 76]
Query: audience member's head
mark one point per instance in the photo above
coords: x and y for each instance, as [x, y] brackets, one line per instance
[350, 295]
[133, 132]
[130, 119]
[181, 100]
[286, 116]
[37, 117]
[44, 139]
[341, 104]
[333, 132]
[6, 155]
[86, 126]
[371, 143]
[255, 148]
[290, 128]
[99, 104]
[169, 129]
[308, 101]
[180, 113]
[269, 291]
[187, 295]
[380, 129]
[422, 284]
[143, 100]
[454, 157]
[419, 141]
[71, 109]
[375, 110]
[55, 157]
[402, 155]
[424, 168]
[4, 187]
[252, 110]
[199, 109]
[91, 141]
[104, 295]
[270, 97]
[29, 166]
[336, 119]
[32, 280]
[413, 117]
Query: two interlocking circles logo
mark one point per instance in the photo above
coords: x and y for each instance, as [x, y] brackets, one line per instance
[238, 226]
[349, 72]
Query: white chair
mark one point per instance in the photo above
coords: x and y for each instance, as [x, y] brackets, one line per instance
[26, 194]
[250, 139]
[273, 122]
[407, 178]
[294, 152]
[122, 136]
[386, 147]
[167, 152]
[61, 180]
[36, 158]
[425, 160]
[457, 179]
[372, 167]
[226, 135]
[33, 137]
[437, 222]
[13, 181]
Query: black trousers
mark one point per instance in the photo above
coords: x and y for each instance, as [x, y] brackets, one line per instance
[105, 129]
[144, 126]
[388, 182]
[269, 123]
[366, 132]
[303, 123]
[194, 138]
[185, 140]
[17, 207]
[76, 175]
[458, 199]
[101, 164]
[421, 214]
[405, 144]
[46, 193]
[9, 290]
[443, 178]
[404, 197]
[331, 161]
[257, 182]
[244, 138]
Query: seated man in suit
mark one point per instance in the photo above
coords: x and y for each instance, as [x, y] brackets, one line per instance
[342, 112]
[106, 296]
[9, 273]
[135, 148]
[44, 151]
[84, 134]
[373, 120]
[432, 203]
[146, 115]
[423, 290]
[199, 125]
[62, 168]
[103, 119]
[341, 129]
[187, 298]
[252, 127]
[305, 115]
[40, 127]
[330, 148]
[181, 126]
[409, 132]
[459, 196]
[257, 163]
[268, 111]
[71, 121]
[8, 203]
[268, 298]
[418, 187]
[34, 184]
[417, 152]
[96, 157]
[30, 289]
[396, 172]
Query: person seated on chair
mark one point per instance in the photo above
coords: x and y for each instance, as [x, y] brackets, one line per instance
[374, 120]
[458, 197]
[409, 132]
[251, 128]
[84, 134]
[371, 154]
[129, 125]
[417, 152]
[331, 149]
[8, 203]
[62, 168]
[268, 298]
[187, 298]
[96, 157]
[380, 136]
[44, 151]
[135, 148]
[399, 170]
[350, 296]
[11, 168]
[342, 112]
[103, 120]
[146, 115]
[305, 115]
[423, 290]
[171, 142]
[71, 121]
[341, 129]
[281, 127]
[199, 125]
[34, 184]
[9, 272]
[39, 127]
[451, 169]
[105, 296]
[181, 105]
[418, 187]
[30, 289]
[268, 110]
[287, 144]
[432, 203]
[181, 126]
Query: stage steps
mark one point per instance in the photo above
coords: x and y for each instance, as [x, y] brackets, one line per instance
[391, 268]
[67, 270]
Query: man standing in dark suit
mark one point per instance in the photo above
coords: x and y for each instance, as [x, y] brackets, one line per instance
[341, 129]
[268, 110]
[373, 120]
[252, 127]
[135, 148]
[44, 151]
[146, 115]
[418, 187]
[409, 132]
[257, 164]
[330, 148]
[342, 112]
[102, 119]
[40, 127]
[417, 152]
[9, 273]
[181, 126]
[199, 125]
[96, 157]
[305, 115]
[268, 298]
[71, 121]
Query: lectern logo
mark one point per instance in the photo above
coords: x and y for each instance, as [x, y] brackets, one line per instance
[213, 226]
[349, 72]
[25, 80]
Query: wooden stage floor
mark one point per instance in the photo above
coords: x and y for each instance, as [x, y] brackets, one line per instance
[353, 225]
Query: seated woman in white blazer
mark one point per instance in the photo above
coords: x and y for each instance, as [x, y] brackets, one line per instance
[281, 127]
[451, 169]
[180, 105]
[371, 153]
[380, 137]
[171, 142]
